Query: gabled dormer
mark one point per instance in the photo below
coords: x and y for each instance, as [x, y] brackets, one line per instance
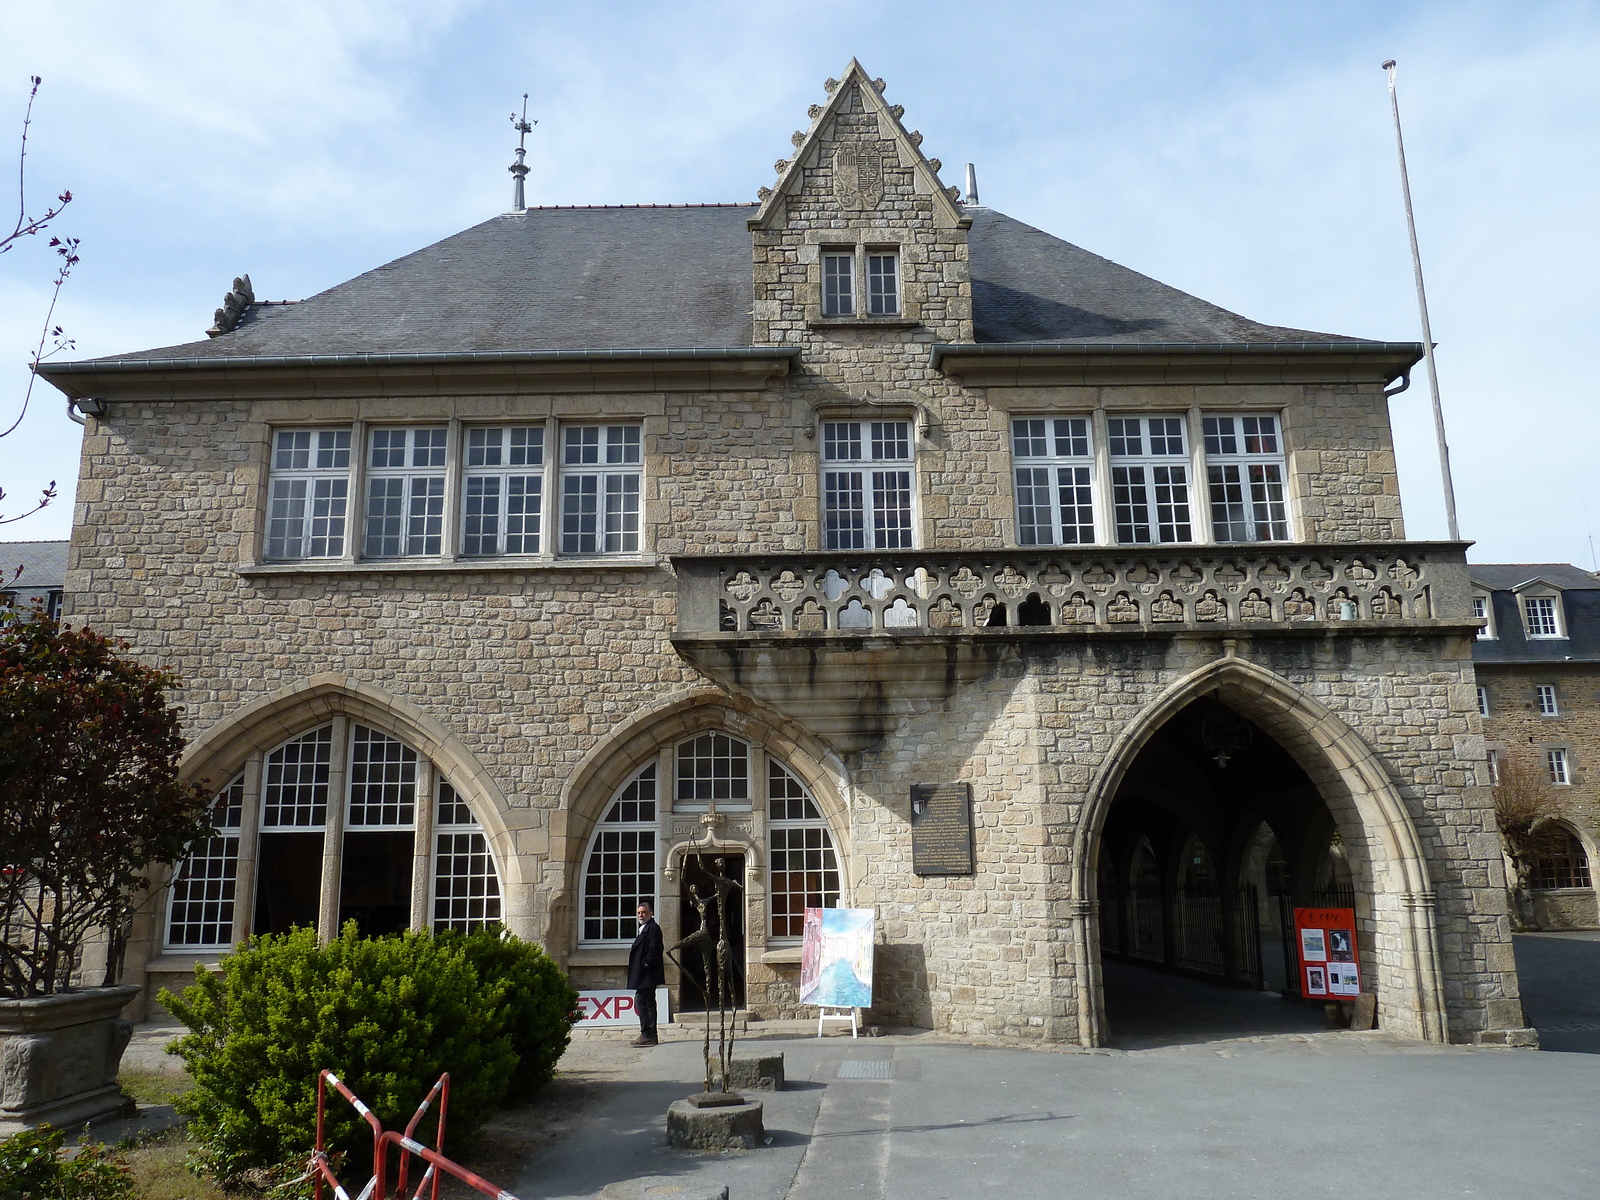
[859, 236]
[1543, 615]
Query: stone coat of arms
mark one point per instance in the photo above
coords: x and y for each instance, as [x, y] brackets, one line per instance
[857, 177]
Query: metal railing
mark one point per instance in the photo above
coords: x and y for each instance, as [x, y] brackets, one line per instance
[321, 1170]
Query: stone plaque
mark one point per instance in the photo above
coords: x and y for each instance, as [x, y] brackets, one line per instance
[941, 829]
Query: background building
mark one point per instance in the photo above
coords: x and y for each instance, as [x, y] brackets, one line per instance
[1538, 666]
[526, 575]
[33, 571]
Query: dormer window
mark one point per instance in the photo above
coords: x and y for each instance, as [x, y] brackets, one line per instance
[838, 284]
[883, 283]
[1541, 616]
[851, 273]
[1483, 610]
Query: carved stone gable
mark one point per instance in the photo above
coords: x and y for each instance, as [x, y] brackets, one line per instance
[858, 177]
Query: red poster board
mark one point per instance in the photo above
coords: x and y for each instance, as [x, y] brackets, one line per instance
[1330, 964]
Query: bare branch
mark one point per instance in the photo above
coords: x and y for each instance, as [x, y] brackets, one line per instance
[27, 226]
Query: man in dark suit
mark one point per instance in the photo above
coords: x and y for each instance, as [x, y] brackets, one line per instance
[646, 972]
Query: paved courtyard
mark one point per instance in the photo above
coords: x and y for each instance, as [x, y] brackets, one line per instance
[1212, 1094]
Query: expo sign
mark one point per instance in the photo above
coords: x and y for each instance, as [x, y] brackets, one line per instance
[615, 1008]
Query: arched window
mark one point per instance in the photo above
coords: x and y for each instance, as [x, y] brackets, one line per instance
[200, 910]
[466, 890]
[293, 831]
[620, 871]
[709, 769]
[1563, 864]
[804, 870]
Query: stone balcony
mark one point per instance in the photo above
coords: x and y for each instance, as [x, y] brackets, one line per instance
[844, 641]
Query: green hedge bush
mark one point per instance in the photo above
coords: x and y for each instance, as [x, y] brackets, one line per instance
[539, 1007]
[34, 1166]
[387, 1015]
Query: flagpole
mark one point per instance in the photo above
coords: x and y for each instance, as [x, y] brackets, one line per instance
[1422, 304]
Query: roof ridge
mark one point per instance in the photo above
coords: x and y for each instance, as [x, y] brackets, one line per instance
[711, 204]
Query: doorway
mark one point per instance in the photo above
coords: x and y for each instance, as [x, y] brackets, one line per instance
[1214, 833]
[696, 993]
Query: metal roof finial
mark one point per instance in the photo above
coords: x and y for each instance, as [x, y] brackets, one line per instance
[519, 169]
[972, 184]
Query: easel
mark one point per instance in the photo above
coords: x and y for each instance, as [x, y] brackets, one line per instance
[840, 1014]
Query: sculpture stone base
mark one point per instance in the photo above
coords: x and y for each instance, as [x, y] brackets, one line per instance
[756, 1073]
[664, 1187]
[725, 1127]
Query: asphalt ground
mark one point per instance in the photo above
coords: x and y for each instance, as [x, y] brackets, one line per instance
[1209, 1093]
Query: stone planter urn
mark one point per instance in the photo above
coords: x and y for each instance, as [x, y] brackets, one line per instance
[59, 1056]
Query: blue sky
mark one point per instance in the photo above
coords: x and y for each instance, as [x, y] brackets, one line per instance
[1240, 151]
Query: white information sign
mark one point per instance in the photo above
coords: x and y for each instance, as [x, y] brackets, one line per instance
[607, 1009]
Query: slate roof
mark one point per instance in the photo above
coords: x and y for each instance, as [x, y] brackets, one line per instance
[679, 277]
[1505, 576]
[44, 565]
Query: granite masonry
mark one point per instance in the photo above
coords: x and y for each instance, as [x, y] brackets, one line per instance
[519, 578]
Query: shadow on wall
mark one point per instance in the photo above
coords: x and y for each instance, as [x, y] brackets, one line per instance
[900, 986]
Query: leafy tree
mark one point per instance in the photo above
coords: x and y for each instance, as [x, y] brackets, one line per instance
[89, 752]
[1523, 808]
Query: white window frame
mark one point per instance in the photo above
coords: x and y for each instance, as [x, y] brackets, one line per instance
[1483, 610]
[419, 478]
[861, 282]
[1531, 604]
[609, 468]
[644, 836]
[218, 860]
[863, 467]
[1053, 477]
[785, 829]
[1546, 700]
[1247, 478]
[457, 835]
[308, 493]
[325, 780]
[1492, 757]
[503, 467]
[1483, 701]
[1559, 768]
[1143, 483]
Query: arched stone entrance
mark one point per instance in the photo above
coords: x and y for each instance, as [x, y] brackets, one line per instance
[1365, 815]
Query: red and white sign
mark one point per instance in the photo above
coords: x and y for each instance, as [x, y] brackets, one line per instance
[1325, 940]
[601, 1009]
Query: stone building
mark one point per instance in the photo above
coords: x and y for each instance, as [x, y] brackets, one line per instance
[1538, 667]
[522, 576]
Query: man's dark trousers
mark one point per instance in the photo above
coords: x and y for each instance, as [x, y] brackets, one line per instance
[647, 971]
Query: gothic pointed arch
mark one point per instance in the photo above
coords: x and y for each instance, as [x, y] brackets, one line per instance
[1359, 792]
[221, 750]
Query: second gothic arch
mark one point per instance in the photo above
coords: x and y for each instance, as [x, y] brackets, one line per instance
[1359, 792]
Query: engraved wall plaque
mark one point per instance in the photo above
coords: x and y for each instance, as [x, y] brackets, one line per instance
[941, 829]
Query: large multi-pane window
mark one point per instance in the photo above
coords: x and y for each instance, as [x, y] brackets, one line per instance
[1064, 494]
[503, 490]
[1563, 864]
[308, 494]
[466, 889]
[1054, 470]
[200, 910]
[405, 492]
[867, 485]
[504, 504]
[620, 866]
[839, 283]
[883, 283]
[600, 487]
[1149, 479]
[620, 872]
[1545, 695]
[288, 831]
[804, 872]
[1556, 763]
[1245, 473]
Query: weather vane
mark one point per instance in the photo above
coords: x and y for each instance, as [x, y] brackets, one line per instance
[519, 169]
